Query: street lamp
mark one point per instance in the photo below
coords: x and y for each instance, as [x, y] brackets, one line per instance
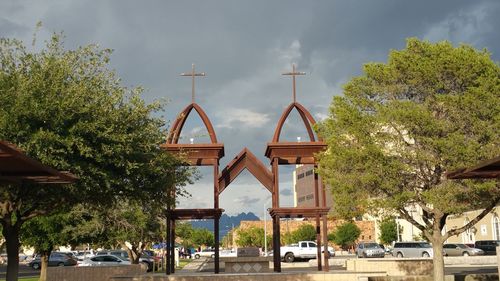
[397, 228]
[265, 227]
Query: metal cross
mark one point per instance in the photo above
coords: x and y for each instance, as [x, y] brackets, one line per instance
[293, 74]
[192, 74]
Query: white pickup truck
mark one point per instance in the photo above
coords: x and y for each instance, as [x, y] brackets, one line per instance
[302, 250]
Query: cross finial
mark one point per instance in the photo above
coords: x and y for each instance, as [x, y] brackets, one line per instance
[293, 74]
[192, 74]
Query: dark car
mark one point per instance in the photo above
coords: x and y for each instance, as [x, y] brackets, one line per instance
[55, 259]
[145, 258]
[488, 246]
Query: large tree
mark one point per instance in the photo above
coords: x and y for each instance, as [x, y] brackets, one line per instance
[67, 109]
[401, 125]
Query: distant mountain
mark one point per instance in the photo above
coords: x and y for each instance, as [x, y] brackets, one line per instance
[226, 222]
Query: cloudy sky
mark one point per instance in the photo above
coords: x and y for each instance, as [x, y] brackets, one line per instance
[244, 46]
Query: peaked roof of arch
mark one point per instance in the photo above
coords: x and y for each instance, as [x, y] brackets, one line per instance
[246, 160]
[307, 118]
[175, 131]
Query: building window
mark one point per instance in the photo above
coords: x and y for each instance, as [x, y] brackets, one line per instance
[301, 199]
[299, 176]
[308, 173]
[496, 227]
[468, 236]
[309, 197]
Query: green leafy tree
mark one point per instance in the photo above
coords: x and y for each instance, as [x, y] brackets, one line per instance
[401, 125]
[345, 235]
[388, 231]
[305, 232]
[132, 226]
[286, 238]
[184, 230]
[202, 236]
[68, 110]
[43, 234]
[252, 237]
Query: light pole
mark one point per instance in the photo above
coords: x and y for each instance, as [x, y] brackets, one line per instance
[265, 228]
[397, 228]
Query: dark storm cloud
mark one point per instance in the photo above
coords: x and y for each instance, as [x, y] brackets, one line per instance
[244, 46]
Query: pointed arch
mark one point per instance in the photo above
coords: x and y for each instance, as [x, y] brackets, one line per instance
[306, 118]
[175, 131]
[246, 160]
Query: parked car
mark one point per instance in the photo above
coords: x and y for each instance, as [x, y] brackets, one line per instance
[488, 246]
[205, 253]
[412, 249]
[302, 250]
[145, 258]
[227, 253]
[104, 260]
[55, 259]
[83, 255]
[458, 249]
[369, 250]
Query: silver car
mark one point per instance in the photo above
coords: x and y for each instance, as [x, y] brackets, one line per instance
[457, 249]
[369, 250]
[412, 250]
[104, 260]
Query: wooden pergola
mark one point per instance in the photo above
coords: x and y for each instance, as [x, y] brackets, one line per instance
[489, 169]
[16, 167]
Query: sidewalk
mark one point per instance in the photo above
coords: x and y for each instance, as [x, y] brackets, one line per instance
[194, 266]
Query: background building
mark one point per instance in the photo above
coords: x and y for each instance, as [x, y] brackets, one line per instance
[488, 228]
[303, 182]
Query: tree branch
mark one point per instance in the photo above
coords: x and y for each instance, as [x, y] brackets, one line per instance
[457, 231]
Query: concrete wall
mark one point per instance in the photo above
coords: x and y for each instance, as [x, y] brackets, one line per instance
[94, 273]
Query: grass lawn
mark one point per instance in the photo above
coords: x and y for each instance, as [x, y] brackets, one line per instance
[183, 262]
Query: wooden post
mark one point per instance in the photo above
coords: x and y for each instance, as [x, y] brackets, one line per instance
[276, 219]
[318, 232]
[172, 237]
[167, 252]
[325, 228]
[276, 244]
[216, 219]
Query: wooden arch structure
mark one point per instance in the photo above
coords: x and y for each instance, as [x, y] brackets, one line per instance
[297, 153]
[280, 153]
[246, 160]
[204, 154]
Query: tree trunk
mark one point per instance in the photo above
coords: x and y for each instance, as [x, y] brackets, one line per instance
[438, 260]
[11, 234]
[44, 263]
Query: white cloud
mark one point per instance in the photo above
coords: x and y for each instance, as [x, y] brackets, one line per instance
[240, 116]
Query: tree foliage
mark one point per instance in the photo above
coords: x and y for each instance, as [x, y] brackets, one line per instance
[345, 235]
[184, 230]
[305, 232]
[388, 231]
[252, 237]
[202, 236]
[67, 109]
[401, 125]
